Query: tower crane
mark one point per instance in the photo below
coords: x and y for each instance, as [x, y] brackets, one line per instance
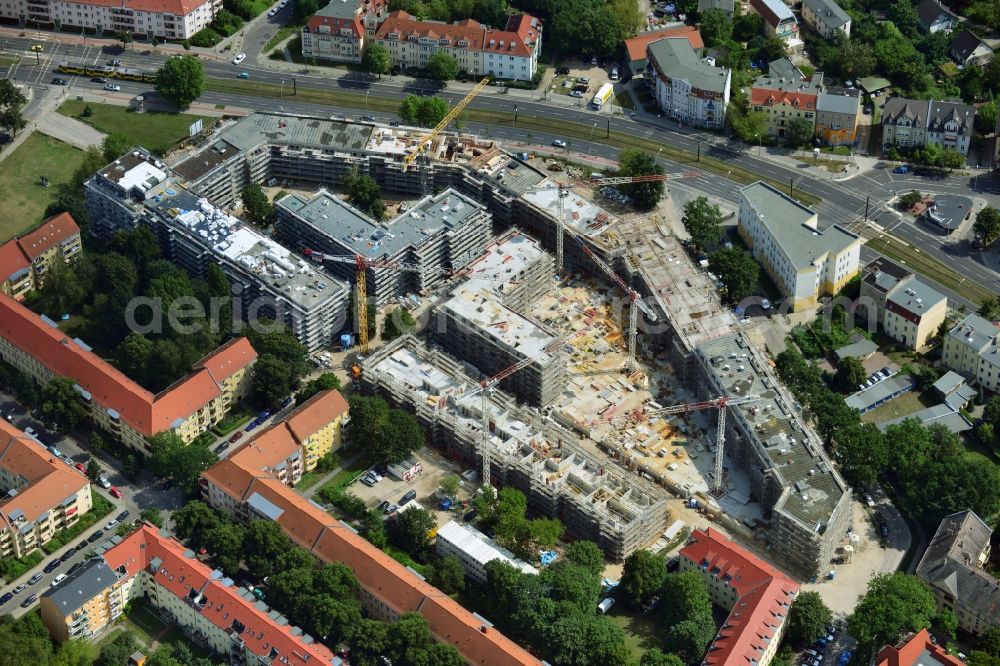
[720, 430]
[485, 389]
[635, 303]
[361, 296]
[425, 139]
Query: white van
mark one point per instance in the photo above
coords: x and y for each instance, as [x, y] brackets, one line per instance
[605, 605]
[614, 73]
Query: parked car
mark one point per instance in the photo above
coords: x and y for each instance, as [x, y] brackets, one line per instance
[558, 143]
[368, 481]
[34, 579]
[902, 168]
[20, 588]
[111, 523]
[123, 515]
[264, 415]
[76, 567]
[117, 494]
[576, 93]
[408, 497]
[383, 506]
[30, 600]
[69, 553]
[103, 482]
[765, 304]
[60, 578]
[6, 597]
[52, 566]
[583, 79]
[31, 432]
[869, 501]
[469, 517]
[81, 467]
[236, 437]
[220, 448]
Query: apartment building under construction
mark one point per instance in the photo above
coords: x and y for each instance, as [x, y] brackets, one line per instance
[435, 236]
[619, 511]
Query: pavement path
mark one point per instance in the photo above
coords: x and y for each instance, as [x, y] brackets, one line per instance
[70, 130]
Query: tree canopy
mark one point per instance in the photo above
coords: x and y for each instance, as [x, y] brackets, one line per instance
[63, 404]
[737, 270]
[377, 59]
[634, 162]
[423, 111]
[893, 605]
[181, 463]
[642, 577]
[365, 194]
[181, 80]
[391, 434]
[703, 221]
[808, 619]
[442, 66]
[256, 206]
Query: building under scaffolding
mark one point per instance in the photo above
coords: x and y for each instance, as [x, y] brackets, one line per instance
[596, 500]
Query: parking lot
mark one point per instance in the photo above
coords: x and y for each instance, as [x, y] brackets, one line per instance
[435, 467]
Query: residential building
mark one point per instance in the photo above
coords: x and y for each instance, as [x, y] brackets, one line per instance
[967, 342]
[635, 47]
[474, 550]
[782, 234]
[726, 6]
[149, 564]
[268, 280]
[24, 260]
[909, 122]
[169, 19]
[913, 313]
[880, 393]
[786, 99]
[916, 650]
[837, 118]
[934, 17]
[342, 29]
[826, 17]
[757, 596]
[476, 327]
[688, 88]
[41, 494]
[953, 566]
[779, 21]
[435, 236]
[967, 49]
[36, 347]
[388, 588]
[508, 53]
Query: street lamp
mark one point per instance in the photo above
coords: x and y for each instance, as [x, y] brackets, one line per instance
[281, 90]
[367, 92]
[591, 147]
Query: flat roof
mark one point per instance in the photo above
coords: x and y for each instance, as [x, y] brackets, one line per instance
[829, 11]
[879, 391]
[949, 210]
[498, 268]
[941, 414]
[480, 547]
[837, 103]
[260, 127]
[975, 331]
[135, 170]
[431, 216]
[915, 296]
[582, 215]
[792, 447]
[676, 58]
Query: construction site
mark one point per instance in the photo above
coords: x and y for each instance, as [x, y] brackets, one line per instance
[575, 355]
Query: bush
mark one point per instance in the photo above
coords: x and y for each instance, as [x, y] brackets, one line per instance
[205, 38]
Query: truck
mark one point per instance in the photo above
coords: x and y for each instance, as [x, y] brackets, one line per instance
[602, 96]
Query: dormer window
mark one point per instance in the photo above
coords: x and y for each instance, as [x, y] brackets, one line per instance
[463, 43]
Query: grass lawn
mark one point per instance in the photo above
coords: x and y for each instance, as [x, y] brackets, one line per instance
[904, 405]
[284, 32]
[235, 419]
[156, 130]
[22, 200]
[176, 635]
[308, 480]
[642, 632]
[832, 166]
[344, 477]
[12, 568]
[144, 623]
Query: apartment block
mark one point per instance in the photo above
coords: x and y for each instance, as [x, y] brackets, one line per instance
[268, 280]
[757, 596]
[636, 46]
[514, 267]
[953, 566]
[149, 564]
[778, 19]
[805, 501]
[618, 510]
[508, 53]
[907, 123]
[169, 19]
[474, 550]
[37, 348]
[783, 237]
[785, 99]
[837, 117]
[826, 17]
[388, 589]
[342, 29]
[41, 493]
[24, 260]
[972, 349]
[913, 313]
[688, 88]
[416, 250]
[917, 649]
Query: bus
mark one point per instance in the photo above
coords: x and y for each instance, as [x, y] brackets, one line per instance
[602, 96]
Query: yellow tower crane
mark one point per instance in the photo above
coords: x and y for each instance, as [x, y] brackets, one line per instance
[424, 140]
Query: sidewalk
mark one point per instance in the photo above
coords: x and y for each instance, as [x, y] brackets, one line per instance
[308, 494]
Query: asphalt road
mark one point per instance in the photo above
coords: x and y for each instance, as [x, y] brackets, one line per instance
[844, 202]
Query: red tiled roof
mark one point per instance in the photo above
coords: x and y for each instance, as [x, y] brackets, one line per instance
[910, 653]
[187, 578]
[12, 260]
[268, 449]
[225, 361]
[636, 46]
[405, 25]
[48, 234]
[108, 386]
[765, 595]
[776, 96]
[175, 7]
[316, 412]
[49, 480]
[383, 577]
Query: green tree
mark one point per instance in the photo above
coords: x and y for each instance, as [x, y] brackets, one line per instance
[270, 382]
[990, 309]
[93, 470]
[181, 81]
[688, 639]
[545, 532]
[125, 37]
[703, 221]
[747, 26]
[586, 554]
[423, 111]
[850, 373]
[986, 117]
[799, 132]
[133, 356]
[862, 451]
[12, 120]
[449, 485]
[324, 382]
[256, 208]
[114, 270]
[952, 159]
[373, 528]
[634, 162]
[643, 576]
[281, 344]
[808, 619]
[397, 322]
[688, 598]
[411, 530]
[716, 27]
[118, 651]
[377, 60]
[656, 656]
[449, 576]
[304, 9]
[264, 546]
[131, 467]
[365, 194]
[441, 66]
[987, 224]
[747, 125]
[114, 146]
[63, 404]
[903, 14]
[63, 291]
[568, 582]
[738, 270]
[24, 641]
[910, 199]
[391, 434]
[182, 463]
[893, 605]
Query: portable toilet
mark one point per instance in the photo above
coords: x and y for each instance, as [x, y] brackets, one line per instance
[346, 341]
